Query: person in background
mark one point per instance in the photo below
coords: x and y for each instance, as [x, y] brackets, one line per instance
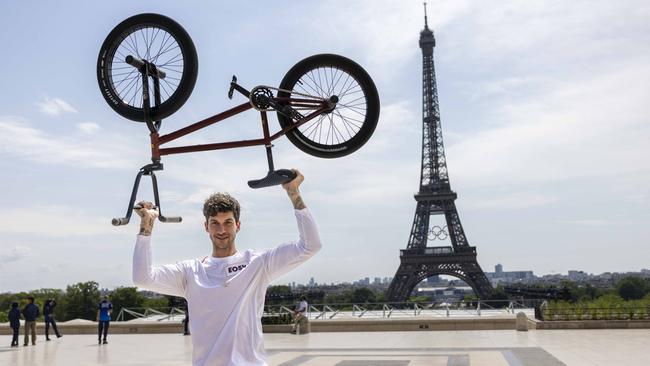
[186, 322]
[48, 313]
[14, 322]
[104, 310]
[299, 315]
[30, 312]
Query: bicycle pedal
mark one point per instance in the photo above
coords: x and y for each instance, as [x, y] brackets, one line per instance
[273, 178]
[232, 86]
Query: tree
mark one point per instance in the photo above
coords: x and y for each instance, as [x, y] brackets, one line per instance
[279, 294]
[363, 295]
[126, 297]
[632, 288]
[80, 301]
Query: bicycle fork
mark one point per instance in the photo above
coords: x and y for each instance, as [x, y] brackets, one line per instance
[147, 69]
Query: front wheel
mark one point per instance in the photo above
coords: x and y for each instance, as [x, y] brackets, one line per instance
[156, 39]
[350, 124]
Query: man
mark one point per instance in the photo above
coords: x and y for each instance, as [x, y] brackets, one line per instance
[225, 291]
[104, 310]
[299, 316]
[30, 312]
[14, 322]
[48, 312]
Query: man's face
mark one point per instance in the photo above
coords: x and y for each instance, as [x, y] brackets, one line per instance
[222, 229]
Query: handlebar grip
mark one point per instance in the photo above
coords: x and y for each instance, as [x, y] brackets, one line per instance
[170, 219]
[134, 61]
[120, 221]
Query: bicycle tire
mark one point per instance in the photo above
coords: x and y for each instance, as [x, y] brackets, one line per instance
[359, 129]
[156, 31]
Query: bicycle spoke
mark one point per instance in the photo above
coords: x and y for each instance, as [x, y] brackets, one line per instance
[151, 44]
[322, 93]
[342, 124]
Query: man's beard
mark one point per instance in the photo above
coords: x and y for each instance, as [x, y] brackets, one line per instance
[223, 244]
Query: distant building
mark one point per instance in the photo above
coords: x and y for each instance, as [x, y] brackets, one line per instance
[577, 275]
[501, 276]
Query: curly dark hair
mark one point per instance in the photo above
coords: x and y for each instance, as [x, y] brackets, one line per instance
[221, 202]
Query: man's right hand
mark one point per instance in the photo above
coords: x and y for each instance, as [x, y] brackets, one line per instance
[148, 215]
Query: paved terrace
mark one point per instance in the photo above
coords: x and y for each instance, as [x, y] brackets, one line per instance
[476, 348]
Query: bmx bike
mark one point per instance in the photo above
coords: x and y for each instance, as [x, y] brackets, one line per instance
[327, 105]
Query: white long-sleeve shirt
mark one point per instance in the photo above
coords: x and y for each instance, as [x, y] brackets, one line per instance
[225, 296]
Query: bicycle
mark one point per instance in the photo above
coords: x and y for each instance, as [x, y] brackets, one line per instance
[153, 54]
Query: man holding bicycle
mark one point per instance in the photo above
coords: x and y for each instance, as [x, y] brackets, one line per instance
[225, 291]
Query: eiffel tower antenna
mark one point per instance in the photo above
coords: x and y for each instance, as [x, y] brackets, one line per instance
[426, 25]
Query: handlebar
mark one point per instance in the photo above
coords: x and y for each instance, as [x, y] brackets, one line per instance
[139, 64]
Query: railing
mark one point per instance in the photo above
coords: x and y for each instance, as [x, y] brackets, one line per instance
[159, 314]
[282, 313]
[406, 309]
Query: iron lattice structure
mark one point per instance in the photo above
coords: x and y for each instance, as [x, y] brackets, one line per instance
[435, 197]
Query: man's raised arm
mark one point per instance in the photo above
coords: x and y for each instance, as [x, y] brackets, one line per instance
[285, 257]
[168, 279]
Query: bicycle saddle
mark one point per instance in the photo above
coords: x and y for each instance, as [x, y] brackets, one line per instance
[273, 178]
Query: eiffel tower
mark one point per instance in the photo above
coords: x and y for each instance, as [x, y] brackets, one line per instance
[435, 197]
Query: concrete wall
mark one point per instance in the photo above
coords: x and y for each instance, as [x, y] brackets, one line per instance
[356, 325]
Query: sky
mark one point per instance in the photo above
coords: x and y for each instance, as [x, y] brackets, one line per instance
[543, 109]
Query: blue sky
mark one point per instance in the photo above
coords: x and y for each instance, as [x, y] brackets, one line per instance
[543, 108]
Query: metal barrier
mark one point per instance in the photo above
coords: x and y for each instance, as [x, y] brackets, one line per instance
[406, 309]
[461, 309]
[159, 314]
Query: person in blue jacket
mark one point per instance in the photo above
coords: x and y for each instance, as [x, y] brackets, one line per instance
[48, 313]
[104, 310]
[14, 322]
[30, 312]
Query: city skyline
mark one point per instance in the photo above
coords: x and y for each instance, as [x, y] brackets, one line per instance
[545, 134]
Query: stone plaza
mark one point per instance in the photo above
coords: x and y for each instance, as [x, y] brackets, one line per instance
[474, 347]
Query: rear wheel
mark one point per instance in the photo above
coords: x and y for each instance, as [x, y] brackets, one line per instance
[159, 40]
[350, 124]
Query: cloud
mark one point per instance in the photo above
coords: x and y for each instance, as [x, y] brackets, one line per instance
[55, 106]
[88, 128]
[19, 138]
[15, 254]
[53, 221]
[577, 129]
[589, 222]
[510, 201]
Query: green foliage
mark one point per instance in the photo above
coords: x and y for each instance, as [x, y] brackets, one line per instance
[155, 303]
[358, 295]
[632, 288]
[363, 295]
[4, 317]
[128, 297]
[277, 319]
[421, 298]
[279, 294]
[80, 301]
